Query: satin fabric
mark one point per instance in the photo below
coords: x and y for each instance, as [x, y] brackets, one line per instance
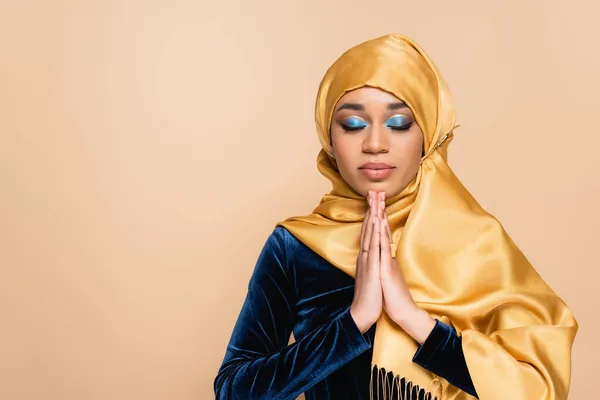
[458, 261]
[294, 289]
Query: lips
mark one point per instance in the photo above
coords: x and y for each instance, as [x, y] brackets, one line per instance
[371, 165]
[376, 171]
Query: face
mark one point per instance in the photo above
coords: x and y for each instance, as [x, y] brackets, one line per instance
[370, 125]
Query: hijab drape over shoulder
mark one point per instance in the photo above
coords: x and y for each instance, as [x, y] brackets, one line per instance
[457, 259]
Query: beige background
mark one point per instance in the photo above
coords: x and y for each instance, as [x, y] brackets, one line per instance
[147, 149]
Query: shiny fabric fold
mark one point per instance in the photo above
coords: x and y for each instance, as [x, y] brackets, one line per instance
[458, 261]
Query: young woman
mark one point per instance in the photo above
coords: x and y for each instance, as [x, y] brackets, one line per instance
[399, 285]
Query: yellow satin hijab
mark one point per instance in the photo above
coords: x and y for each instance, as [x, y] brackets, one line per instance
[457, 259]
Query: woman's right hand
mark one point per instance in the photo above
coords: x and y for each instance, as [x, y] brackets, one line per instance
[368, 295]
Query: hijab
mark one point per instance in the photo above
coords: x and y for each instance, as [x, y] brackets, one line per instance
[458, 261]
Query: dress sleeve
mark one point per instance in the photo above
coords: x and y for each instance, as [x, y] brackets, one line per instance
[259, 363]
[442, 354]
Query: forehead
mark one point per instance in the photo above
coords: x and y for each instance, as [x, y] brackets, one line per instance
[367, 94]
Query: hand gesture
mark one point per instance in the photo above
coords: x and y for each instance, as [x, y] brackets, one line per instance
[368, 295]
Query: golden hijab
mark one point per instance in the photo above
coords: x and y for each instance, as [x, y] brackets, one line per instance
[458, 261]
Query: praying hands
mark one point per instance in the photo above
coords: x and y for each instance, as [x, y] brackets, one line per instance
[379, 281]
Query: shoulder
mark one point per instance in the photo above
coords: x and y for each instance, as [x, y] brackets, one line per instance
[277, 242]
[282, 241]
[274, 260]
[287, 244]
[279, 253]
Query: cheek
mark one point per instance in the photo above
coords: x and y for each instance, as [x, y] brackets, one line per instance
[346, 146]
[347, 154]
[417, 143]
[408, 146]
[420, 141]
[346, 157]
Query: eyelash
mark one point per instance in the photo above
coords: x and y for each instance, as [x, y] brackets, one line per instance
[394, 128]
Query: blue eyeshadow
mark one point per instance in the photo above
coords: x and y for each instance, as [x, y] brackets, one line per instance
[397, 121]
[355, 122]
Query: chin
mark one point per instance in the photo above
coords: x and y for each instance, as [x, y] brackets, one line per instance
[376, 186]
[391, 189]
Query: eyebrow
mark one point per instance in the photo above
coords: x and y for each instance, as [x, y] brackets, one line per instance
[359, 107]
[397, 106]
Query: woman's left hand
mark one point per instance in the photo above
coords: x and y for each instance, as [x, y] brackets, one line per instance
[398, 302]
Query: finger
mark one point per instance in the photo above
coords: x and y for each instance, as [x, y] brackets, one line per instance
[369, 227]
[385, 217]
[363, 232]
[386, 248]
[362, 254]
[391, 238]
[363, 242]
[373, 257]
[364, 224]
[387, 225]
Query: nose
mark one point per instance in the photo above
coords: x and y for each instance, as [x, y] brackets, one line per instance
[376, 140]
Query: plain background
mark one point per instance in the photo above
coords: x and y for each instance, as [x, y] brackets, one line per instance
[148, 148]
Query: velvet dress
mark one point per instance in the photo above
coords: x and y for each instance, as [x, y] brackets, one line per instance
[293, 289]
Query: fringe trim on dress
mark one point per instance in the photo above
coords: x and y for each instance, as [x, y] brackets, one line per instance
[387, 386]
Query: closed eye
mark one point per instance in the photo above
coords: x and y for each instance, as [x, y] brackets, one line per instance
[349, 128]
[353, 124]
[404, 127]
[398, 123]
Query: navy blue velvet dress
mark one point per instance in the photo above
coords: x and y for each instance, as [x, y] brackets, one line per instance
[293, 289]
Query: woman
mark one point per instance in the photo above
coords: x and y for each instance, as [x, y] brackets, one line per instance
[398, 285]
